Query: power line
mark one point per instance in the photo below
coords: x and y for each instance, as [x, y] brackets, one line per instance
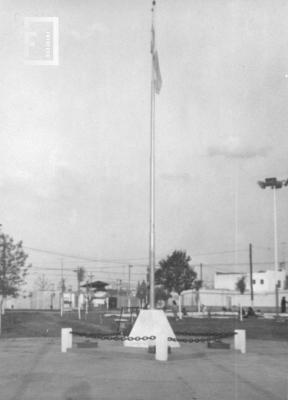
[104, 267]
[233, 264]
[262, 248]
[83, 258]
[89, 271]
[219, 252]
[119, 260]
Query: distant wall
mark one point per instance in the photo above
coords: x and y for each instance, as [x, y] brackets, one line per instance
[45, 300]
[42, 300]
[229, 298]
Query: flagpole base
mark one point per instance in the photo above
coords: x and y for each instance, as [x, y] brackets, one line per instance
[151, 323]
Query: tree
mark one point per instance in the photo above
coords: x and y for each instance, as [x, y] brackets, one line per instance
[141, 292]
[80, 273]
[197, 284]
[42, 283]
[175, 273]
[62, 285]
[241, 285]
[161, 294]
[13, 268]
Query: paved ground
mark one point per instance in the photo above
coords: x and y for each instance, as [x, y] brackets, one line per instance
[35, 369]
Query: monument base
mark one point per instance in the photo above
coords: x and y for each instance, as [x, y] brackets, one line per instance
[151, 323]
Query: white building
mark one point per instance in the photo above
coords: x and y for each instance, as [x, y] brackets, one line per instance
[263, 281]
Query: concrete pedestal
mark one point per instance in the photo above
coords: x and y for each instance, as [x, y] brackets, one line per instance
[151, 323]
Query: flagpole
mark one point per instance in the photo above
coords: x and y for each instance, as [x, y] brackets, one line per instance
[152, 175]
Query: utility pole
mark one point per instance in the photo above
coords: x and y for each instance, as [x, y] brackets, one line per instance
[62, 275]
[274, 184]
[251, 274]
[119, 283]
[283, 262]
[147, 299]
[62, 290]
[2, 235]
[77, 271]
[87, 299]
[201, 272]
[80, 272]
[129, 285]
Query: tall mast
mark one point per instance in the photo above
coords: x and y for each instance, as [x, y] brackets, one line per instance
[152, 168]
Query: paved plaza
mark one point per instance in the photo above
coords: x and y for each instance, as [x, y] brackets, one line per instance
[35, 369]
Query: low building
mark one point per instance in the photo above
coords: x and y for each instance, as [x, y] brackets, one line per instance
[263, 281]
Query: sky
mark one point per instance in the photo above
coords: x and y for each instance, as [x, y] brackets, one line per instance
[74, 154]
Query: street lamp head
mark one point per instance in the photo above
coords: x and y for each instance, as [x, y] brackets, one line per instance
[262, 184]
[273, 183]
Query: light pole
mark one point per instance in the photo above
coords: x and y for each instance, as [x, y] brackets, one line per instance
[274, 184]
[129, 287]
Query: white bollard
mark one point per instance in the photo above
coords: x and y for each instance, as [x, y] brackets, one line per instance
[240, 340]
[161, 353]
[66, 339]
[241, 313]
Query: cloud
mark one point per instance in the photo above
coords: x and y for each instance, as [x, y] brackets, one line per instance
[233, 148]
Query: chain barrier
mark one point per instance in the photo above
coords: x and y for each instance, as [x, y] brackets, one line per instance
[208, 337]
[112, 336]
[207, 334]
[219, 335]
[196, 340]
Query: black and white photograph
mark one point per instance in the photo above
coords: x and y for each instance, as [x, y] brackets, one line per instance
[143, 199]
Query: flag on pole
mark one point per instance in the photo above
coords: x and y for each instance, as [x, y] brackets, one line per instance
[157, 73]
[157, 79]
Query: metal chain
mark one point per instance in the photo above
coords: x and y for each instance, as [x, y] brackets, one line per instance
[196, 340]
[207, 334]
[111, 336]
[114, 337]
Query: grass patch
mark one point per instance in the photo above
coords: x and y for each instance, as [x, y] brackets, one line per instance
[49, 323]
[256, 328]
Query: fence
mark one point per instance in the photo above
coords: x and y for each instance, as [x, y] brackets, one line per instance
[229, 299]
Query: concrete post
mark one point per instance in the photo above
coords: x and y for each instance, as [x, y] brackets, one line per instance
[240, 312]
[66, 339]
[240, 340]
[180, 314]
[161, 353]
